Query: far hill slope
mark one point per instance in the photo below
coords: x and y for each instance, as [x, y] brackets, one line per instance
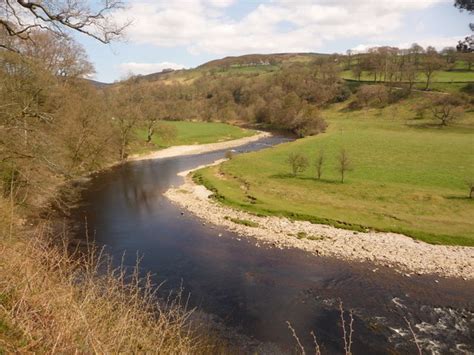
[259, 59]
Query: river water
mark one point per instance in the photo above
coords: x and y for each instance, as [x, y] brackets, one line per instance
[255, 290]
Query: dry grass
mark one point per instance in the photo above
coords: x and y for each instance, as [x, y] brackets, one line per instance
[55, 302]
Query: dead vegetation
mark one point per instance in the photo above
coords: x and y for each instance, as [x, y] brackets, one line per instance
[52, 300]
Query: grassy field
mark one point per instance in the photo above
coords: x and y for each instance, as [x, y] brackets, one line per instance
[408, 176]
[442, 76]
[188, 133]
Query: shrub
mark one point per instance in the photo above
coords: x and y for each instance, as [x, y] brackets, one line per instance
[229, 154]
[342, 94]
[398, 94]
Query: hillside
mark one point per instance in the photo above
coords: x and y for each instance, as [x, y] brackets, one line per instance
[454, 78]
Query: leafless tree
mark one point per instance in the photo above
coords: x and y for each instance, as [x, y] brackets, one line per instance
[446, 108]
[344, 164]
[470, 186]
[410, 74]
[19, 18]
[431, 63]
[319, 164]
[298, 162]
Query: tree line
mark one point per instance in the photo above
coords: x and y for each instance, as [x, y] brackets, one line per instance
[394, 66]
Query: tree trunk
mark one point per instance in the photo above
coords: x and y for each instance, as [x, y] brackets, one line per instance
[428, 81]
[149, 135]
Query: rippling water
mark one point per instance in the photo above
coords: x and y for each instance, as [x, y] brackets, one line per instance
[256, 290]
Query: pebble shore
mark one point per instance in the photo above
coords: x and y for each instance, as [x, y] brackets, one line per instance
[404, 254]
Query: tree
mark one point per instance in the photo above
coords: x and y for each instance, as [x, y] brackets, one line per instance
[298, 162]
[431, 63]
[415, 53]
[319, 164]
[467, 58]
[410, 75]
[126, 110]
[368, 95]
[357, 71]
[446, 108]
[470, 186]
[349, 56]
[449, 53]
[467, 5]
[344, 164]
[19, 18]
[61, 56]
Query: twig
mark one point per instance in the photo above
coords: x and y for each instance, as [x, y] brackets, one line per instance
[303, 352]
[414, 335]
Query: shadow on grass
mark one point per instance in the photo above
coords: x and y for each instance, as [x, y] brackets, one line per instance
[423, 125]
[461, 198]
[304, 178]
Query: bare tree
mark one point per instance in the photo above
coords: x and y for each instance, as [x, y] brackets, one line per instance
[19, 18]
[357, 71]
[431, 63]
[344, 164]
[319, 164]
[446, 108]
[470, 186]
[410, 74]
[62, 56]
[298, 162]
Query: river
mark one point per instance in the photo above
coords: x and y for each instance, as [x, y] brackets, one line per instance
[255, 290]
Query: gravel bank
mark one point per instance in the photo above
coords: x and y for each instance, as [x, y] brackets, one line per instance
[405, 254]
[199, 148]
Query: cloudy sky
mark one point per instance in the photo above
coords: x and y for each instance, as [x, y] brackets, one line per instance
[186, 33]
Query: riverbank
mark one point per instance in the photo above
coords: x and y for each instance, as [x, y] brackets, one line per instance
[198, 148]
[404, 254]
[38, 258]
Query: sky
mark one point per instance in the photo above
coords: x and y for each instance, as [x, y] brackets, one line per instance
[186, 33]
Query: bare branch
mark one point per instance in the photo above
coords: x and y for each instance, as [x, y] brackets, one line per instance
[18, 18]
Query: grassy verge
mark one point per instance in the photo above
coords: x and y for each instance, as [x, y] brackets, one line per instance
[244, 222]
[409, 176]
[188, 133]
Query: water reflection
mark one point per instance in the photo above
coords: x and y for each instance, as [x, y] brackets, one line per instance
[258, 289]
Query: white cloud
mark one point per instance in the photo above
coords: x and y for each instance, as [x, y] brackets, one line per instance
[204, 26]
[147, 68]
[438, 42]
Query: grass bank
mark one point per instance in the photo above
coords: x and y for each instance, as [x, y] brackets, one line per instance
[409, 176]
[189, 133]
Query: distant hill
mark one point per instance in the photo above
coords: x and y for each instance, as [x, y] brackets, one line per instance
[263, 61]
[259, 59]
[97, 84]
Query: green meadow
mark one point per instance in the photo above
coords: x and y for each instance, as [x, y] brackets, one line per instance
[408, 175]
[440, 76]
[188, 133]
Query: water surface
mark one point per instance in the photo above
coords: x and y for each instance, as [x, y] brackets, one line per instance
[256, 290]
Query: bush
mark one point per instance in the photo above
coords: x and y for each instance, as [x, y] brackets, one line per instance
[229, 154]
[343, 93]
[398, 94]
[308, 122]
